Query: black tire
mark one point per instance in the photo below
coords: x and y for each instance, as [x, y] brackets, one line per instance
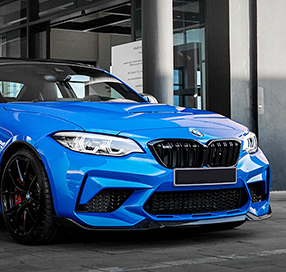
[222, 226]
[27, 203]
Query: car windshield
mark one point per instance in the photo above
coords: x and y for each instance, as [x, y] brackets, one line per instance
[35, 82]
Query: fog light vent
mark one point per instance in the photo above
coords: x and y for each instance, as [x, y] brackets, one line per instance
[256, 192]
[106, 201]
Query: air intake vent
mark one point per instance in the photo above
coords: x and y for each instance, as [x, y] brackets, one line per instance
[173, 153]
[194, 202]
[107, 200]
[256, 191]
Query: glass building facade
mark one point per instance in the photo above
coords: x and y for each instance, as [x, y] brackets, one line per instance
[25, 31]
[214, 64]
[189, 51]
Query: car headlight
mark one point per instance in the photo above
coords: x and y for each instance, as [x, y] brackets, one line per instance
[250, 143]
[97, 144]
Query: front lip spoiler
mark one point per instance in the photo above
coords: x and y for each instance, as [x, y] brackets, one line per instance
[143, 225]
[250, 216]
[149, 224]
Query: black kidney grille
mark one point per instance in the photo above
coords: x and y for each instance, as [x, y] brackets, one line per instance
[195, 202]
[107, 200]
[174, 154]
[256, 192]
[223, 153]
[192, 154]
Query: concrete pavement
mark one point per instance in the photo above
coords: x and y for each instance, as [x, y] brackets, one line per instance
[255, 246]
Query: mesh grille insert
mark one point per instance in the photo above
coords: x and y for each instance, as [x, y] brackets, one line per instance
[107, 200]
[195, 202]
[256, 192]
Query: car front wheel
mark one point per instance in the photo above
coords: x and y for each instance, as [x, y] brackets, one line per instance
[27, 204]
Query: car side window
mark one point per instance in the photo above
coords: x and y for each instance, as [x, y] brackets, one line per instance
[103, 90]
[10, 90]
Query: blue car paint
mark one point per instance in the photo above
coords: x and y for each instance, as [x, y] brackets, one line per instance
[124, 117]
[69, 171]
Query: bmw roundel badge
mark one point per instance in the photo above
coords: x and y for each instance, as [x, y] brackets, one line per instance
[196, 132]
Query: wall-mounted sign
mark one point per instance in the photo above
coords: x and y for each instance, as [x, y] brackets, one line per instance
[126, 62]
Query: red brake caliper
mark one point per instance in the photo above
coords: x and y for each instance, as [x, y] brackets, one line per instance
[17, 197]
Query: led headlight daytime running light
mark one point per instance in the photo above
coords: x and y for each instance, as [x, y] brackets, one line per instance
[250, 143]
[97, 144]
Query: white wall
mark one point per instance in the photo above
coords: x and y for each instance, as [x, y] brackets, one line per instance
[85, 46]
[271, 71]
[106, 41]
[239, 60]
[74, 45]
[272, 81]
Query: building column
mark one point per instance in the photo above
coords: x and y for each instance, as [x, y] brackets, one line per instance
[217, 56]
[157, 49]
[32, 40]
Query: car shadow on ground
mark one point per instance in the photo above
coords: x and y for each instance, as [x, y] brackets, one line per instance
[155, 237]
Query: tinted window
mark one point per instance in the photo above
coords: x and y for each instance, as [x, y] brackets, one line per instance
[10, 90]
[59, 82]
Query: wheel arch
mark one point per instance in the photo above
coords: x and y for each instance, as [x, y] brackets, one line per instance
[47, 229]
[12, 148]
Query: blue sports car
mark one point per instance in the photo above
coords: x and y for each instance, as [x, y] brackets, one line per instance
[78, 147]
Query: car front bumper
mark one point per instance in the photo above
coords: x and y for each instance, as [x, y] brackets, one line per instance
[76, 178]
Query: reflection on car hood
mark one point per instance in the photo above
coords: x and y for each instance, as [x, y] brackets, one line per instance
[123, 117]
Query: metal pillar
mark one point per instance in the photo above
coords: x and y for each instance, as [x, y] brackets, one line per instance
[217, 56]
[157, 49]
[32, 40]
[253, 67]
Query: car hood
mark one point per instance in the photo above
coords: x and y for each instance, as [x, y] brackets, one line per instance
[115, 118]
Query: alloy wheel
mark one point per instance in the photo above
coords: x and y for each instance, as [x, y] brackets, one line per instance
[21, 196]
